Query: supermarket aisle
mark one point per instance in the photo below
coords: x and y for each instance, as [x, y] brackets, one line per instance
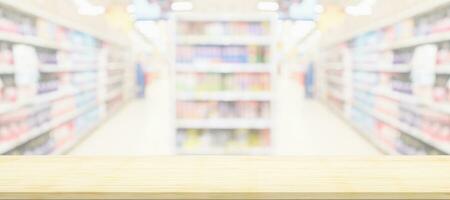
[140, 128]
[303, 127]
[307, 127]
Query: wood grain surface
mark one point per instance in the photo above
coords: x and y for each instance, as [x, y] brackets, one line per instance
[224, 177]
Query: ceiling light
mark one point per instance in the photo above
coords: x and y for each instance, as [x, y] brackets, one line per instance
[87, 8]
[358, 11]
[131, 8]
[268, 6]
[363, 8]
[319, 9]
[181, 6]
[91, 11]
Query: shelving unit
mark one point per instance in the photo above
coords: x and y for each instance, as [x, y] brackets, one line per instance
[54, 81]
[223, 83]
[399, 111]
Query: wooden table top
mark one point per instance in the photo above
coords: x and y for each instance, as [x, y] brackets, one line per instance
[224, 177]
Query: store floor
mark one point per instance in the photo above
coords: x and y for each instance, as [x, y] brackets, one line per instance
[302, 127]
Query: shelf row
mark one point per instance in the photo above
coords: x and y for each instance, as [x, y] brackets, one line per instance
[223, 84]
[33, 41]
[43, 129]
[223, 123]
[369, 136]
[409, 42]
[53, 69]
[393, 81]
[224, 96]
[51, 96]
[397, 68]
[405, 128]
[230, 141]
[405, 98]
[224, 68]
[39, 99]
[397, 127]
[29, 135]
[224, 40]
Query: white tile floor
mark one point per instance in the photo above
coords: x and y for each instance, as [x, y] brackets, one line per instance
[307, 127]
[302, 127]
[140, 128]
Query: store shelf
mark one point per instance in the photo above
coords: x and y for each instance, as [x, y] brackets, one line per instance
[224, 68]
[49, 69]
[67, 147]
[445, 147]
[114, 80]
[224, 40]
[335, 79]
[405, 98]
[225, 96]
[400, 68]
[333, 65]
[31, 9]
[227, 51]
[364, 133]
[5, 69]
[31, 40]
[411, 12]
[415, 41]
[442, 69]
[114, 94]
[56, 69]
[115, 66]
[224, 124]
[43, 98]
[375, 141]
[373, 68]
[43, 129]
[337, 95]
[73, 49]
[405, 43]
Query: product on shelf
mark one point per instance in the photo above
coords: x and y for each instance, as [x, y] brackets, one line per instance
[418, 121]
[59, 138]
[48, 83]
[222, 110]
[216, 84]
[222, 28]
[12, 21]
[44, 104]
[47, 56]
[391, 139]
[221, 54]
[6, 56]
[400, 83]
[228, 141]
[201, 82]
[402, 56]
[24, 121]
[8, 89]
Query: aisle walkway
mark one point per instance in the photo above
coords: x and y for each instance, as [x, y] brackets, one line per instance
[303, 127]
[307, 127]
[140, 128]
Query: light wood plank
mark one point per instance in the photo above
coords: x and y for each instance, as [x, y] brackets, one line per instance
[227, 177]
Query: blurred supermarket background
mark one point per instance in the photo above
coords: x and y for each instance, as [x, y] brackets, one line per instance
[226, 77]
